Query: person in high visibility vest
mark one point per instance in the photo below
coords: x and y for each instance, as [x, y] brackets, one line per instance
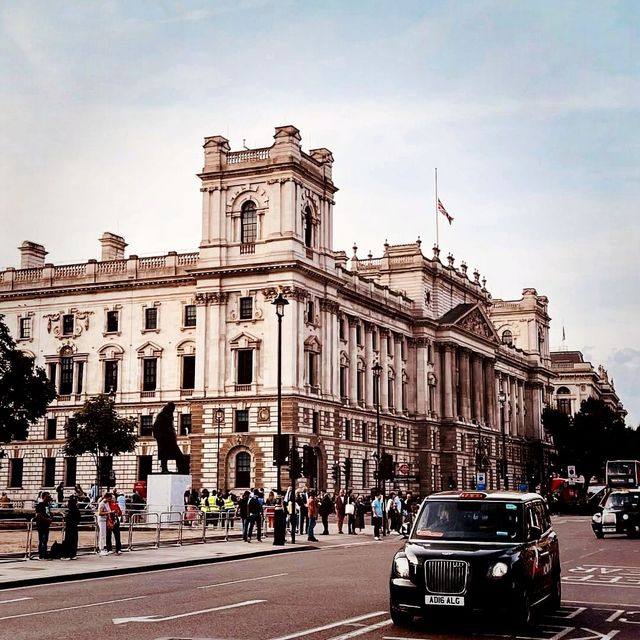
[229, 508]
[214, 506]
[204, 504]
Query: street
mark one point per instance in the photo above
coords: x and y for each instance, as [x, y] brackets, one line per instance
[336, 592]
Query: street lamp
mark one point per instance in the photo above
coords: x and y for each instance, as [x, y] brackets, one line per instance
[280, 303]
[219, 416]
[502, 398]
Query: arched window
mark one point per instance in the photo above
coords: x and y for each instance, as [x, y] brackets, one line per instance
[563, 391]
[308, 228]
[563, 404]
[243, 469]
[507, 337]
[248, 223]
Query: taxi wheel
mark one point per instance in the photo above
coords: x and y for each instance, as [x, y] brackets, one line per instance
[400, 618]
[599, 535]
[555, 600]
[523, 614]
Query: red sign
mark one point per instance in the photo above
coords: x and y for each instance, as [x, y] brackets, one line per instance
[403, 469]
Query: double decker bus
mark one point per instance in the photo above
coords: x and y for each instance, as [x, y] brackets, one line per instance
[623, 474]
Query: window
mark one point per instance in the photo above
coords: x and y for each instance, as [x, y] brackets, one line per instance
[149, 374]
[106, 471]
[53, 371]
[405, 395]
[67, 324]
[403, 349]
[246, 308]
[112, 321]
[315, 424]
[244, 373]
[16, 466]
[49, 472]
[146, 425]
[360, 386]
[243, 469]
[308, 228]
[51, 428]
[563, 403]
[66, 376]
[359, 334]
[365, 432]
[430, 353]
[341, 328]
[390, 390]
[242, 420]
[343, 381]
[347, 429]
[110, 376]
[188, 372]
[145, 467]
[185, 424]
[248, 223]
[312, 368]
[374, 340]
[151, 318]
[310, 313]
[507, 337]
[190, 315]
[389, 346]
[394, 436]
[72, 428]
[70, 467]
[25, 328]
[79, 376]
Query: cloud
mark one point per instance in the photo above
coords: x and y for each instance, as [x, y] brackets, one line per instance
[624, 369]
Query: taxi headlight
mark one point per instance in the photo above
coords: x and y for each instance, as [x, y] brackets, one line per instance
[401, 566]
[625, 516]
[597, 517]
[498, 570]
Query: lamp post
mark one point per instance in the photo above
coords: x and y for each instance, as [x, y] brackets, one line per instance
[280, 303]
[377, 370]
[502, 398]
[219, 416]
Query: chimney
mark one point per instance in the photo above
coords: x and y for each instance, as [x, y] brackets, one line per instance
[113, 246]
[31, 255]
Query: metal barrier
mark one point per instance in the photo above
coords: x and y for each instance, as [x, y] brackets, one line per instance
[146, 521]
[10, 536]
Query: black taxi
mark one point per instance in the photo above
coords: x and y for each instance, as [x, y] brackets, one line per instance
[476, 551]
[618, 512]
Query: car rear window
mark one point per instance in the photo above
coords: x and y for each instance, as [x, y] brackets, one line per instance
[470, 520]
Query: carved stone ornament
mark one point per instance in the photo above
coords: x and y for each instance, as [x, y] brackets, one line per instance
[80, 323]
[291, 293]
[475, 323]
[264, 414]
[211, 297]
[329, 305]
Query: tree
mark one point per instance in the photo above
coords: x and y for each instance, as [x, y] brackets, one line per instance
[100, 432]
[592, 436]
[25, 390]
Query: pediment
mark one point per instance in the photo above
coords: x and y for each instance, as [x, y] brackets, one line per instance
[244, 340]
[472, 319]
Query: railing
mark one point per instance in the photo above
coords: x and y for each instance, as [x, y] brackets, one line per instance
[250, 155]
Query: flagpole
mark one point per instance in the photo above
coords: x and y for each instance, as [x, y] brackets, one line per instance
[437, 237]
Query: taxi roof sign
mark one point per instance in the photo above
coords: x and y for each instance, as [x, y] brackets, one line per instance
[473, 495]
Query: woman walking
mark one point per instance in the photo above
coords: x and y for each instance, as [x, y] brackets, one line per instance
[113, 526]
[71, 522]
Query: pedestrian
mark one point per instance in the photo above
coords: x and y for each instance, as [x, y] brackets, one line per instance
[361, 510]
[43, 523]
[325, 510]
[60, 493]
[103, 515]
[350, 511]
[243, 513]
[340, 510]
[5, 501]
[93, 494]
[122, 503]
[301, 500]
[193, 503]
[113, 526]
[312, 515]
[71, 522]
[254, 509]
[377, 508]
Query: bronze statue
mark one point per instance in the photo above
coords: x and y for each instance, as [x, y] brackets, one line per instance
[165, 436]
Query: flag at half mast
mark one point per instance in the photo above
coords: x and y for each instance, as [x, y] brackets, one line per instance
[444, 212]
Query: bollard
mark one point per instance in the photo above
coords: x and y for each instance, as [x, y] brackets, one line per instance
[279, 524]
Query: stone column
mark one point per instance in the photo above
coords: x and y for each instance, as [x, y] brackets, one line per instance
[421, 381]
[437, 367]
[368, 363]
[353, 362]
[513, 399]
[384, 374]
[465, 383]
[448, 381]
[489, 393]
[398, 379]
[520, 421]
[477, 386]
[202, 329]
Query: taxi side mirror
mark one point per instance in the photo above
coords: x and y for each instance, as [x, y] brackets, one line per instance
[534, 533]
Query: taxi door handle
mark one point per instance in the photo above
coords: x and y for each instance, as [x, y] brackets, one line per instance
[544, 554]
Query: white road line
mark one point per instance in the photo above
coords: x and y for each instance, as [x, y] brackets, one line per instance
[333, 625]
[583, 583]
[361, 632]
[14, 600]
[222, 584]
[79, 606]
[184, 615]
[617, 605]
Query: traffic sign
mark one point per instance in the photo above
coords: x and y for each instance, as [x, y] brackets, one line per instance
[571, 471]
[403, 469]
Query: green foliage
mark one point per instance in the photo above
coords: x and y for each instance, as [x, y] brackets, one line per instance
[25, 391]
[590, 437]
[101, 431]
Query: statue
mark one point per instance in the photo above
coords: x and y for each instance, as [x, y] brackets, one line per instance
[165, 436]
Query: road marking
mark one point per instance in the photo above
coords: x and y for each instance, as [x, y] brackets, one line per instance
[333, 625]
[222, 584]
[346, 545]
[79, 606]
[595, 583]
[185, 615]
[361, 632]
[14, 600]
[606, 604]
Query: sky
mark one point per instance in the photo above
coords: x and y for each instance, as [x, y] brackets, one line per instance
[528, 109]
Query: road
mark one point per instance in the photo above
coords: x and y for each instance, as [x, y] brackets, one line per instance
[338, 592]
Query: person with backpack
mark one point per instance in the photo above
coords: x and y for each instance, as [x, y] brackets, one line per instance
[44, 518]
[254, 509]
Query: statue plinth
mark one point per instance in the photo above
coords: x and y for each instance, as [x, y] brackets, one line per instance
[165, 492]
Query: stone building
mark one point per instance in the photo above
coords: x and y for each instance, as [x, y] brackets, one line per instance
[461, 377]
[577, 380]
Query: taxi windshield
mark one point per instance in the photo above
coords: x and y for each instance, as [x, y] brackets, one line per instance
[622, 501]
[470, 520]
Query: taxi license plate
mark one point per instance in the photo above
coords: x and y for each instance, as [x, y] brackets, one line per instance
[446, 601]
[609, 529]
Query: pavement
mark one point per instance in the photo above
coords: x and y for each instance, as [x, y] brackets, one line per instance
[22, 573]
